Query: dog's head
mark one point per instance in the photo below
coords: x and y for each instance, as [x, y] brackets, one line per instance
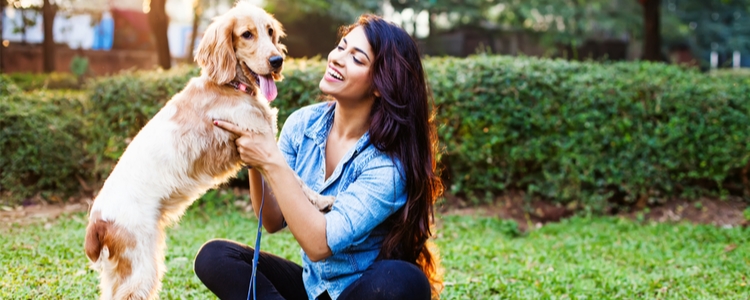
[243, 43]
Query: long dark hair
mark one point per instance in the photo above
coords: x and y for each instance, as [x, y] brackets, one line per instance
[402, 127]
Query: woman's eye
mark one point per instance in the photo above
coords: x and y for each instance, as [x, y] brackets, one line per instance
[340, 48]
[247, 34]
[356, 60]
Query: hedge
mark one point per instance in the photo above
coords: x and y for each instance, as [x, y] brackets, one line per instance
[7, 86]
[52, 81]
[42, 141]
[585, 134]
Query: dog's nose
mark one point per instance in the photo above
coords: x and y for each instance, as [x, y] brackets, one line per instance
[276, 61]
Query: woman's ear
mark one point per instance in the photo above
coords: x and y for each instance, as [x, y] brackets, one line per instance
[376, 93]
[216, 51]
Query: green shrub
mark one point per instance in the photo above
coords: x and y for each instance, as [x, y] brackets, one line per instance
[588, 132]
[41, 144]
[7, 86]
[585, 133]
[52, 81]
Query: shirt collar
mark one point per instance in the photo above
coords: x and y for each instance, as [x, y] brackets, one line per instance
[322, 126]
[319, 130]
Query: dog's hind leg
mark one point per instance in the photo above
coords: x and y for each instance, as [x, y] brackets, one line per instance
[147, 269]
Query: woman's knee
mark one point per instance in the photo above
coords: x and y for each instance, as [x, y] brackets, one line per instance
[405, 277]
[216, 253]
[390, 279]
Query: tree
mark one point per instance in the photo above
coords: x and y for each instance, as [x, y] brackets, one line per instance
[651, 30]
[48, 46]
[312, 25]
[721, 26]
[159, 22]
[3, 4]
[49, 11]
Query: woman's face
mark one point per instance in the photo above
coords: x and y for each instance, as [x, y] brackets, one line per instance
[348, 73]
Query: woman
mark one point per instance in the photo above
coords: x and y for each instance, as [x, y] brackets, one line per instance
[373, 148]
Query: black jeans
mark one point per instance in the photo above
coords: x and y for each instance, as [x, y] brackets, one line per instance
[225, 268]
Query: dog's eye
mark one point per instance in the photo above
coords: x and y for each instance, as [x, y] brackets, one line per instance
[247, 34]
[270, 32]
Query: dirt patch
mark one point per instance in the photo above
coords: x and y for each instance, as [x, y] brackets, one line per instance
[717, 212]
[534, 213]
[38, 213]
[511, 206]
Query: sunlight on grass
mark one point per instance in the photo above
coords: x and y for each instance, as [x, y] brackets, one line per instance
[581, 258]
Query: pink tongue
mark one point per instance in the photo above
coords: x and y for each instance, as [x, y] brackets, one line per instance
[268, 87]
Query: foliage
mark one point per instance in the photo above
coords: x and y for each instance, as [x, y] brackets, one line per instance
[578, 258]
[584, 134]
[566, 22]
[715, 25]
[348, 11]
[79, 66]
[41, 143]
[7, 86]
[589, 132]
[711, 25]
[52, 81]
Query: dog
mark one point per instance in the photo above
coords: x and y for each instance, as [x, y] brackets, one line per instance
[179, 154]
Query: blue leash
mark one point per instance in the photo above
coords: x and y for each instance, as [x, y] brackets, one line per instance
[257, 240]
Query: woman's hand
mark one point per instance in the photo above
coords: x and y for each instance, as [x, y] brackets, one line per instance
[257, 150]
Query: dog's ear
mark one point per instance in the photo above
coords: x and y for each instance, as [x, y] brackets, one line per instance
[279, 29]
[216, 51]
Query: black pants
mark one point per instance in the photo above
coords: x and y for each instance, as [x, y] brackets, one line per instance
[225, 268]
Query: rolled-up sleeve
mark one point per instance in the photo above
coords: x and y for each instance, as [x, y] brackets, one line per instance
[377, 193]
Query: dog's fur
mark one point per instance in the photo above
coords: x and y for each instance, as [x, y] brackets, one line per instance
[180, 154]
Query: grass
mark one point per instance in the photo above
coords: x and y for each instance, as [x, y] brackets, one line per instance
[484, 258]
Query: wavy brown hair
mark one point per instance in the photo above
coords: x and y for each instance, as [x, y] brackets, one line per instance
[402, 126]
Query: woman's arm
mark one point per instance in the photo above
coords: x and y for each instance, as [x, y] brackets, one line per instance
[273, 220]
[307, 224]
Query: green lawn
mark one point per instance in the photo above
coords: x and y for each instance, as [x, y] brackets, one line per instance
[581, 258]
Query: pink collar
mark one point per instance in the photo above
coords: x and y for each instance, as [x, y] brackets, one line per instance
[241, 87]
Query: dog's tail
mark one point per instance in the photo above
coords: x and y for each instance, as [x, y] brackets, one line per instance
[109, 246]
[96, 233]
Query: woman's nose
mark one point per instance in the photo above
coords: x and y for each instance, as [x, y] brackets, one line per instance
[336, 57]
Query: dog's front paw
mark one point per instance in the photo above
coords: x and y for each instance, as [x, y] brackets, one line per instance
[323, 203]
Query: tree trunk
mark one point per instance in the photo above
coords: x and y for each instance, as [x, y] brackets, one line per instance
[3, 4]
[48, 46]
[157, 18]
[651, 30]
[197, 12]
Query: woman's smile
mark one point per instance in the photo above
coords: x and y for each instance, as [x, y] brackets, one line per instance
[333, 75]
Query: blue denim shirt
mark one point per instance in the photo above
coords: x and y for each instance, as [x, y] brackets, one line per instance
[368, 186]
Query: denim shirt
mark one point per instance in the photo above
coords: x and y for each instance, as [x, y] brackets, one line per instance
[368, 186]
